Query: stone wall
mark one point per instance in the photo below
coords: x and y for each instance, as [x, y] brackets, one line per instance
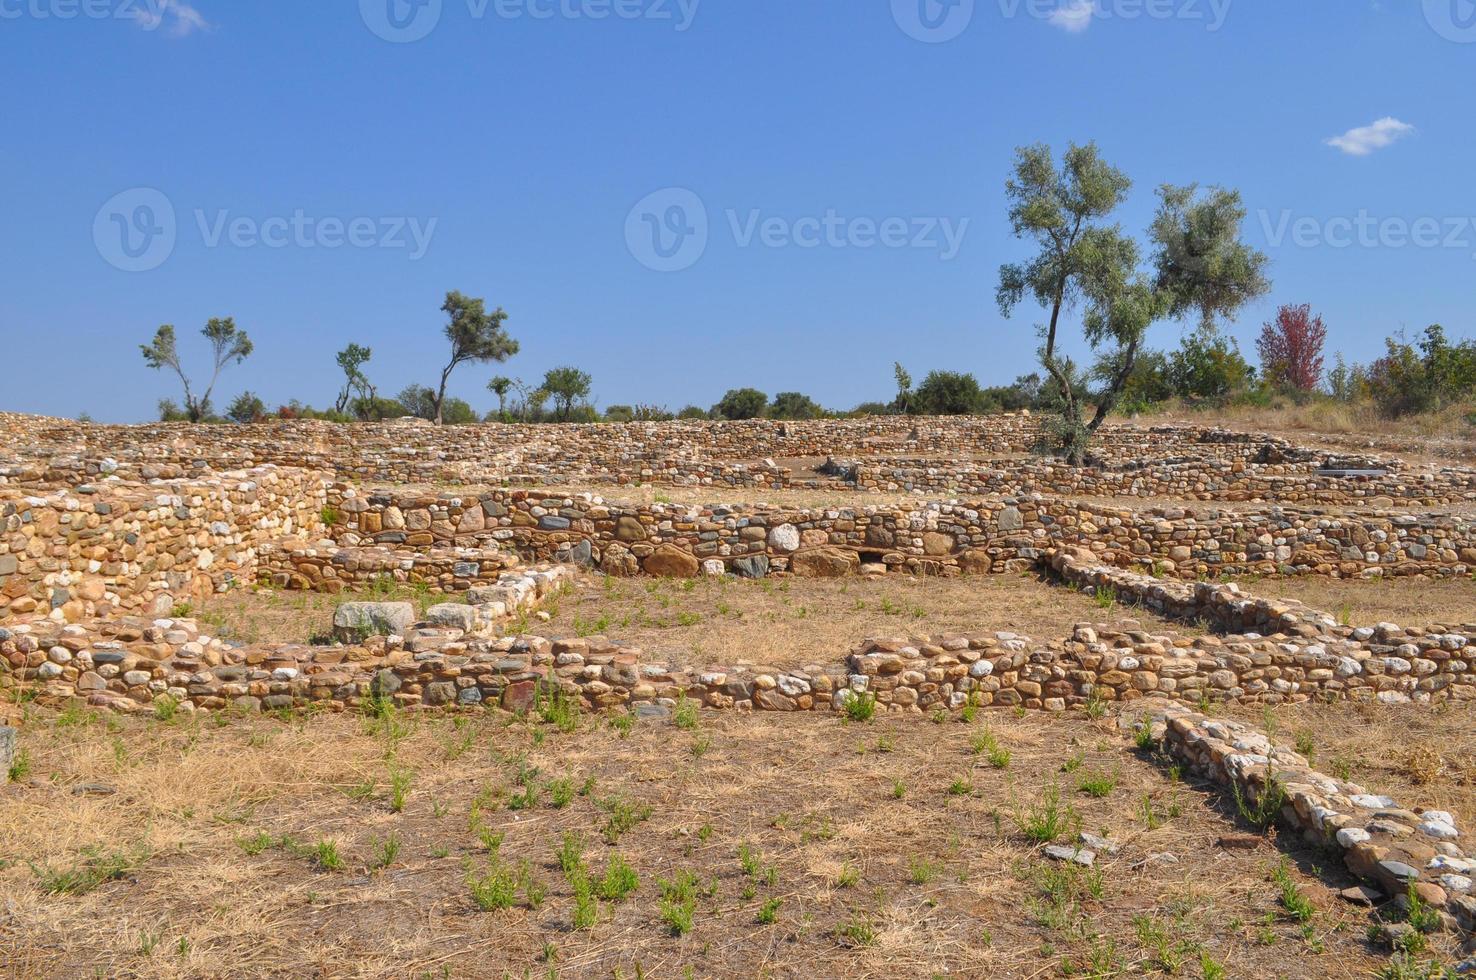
[1393, 847]
[994, 534]
[1308, 657]
[290, 565]
[115, 545]
[944, 457]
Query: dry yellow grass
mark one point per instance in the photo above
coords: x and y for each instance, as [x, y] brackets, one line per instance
[1448, 434]
[791, 622]
[1421, 755]
[1412, 601]
[896, 850]
[776, 622]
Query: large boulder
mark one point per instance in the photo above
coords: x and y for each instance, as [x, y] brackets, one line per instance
[828, 562]
[669, 561]
[354, 622]
[459, 615]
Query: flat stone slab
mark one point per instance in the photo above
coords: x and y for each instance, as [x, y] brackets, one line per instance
[7, 749]
[355, 621]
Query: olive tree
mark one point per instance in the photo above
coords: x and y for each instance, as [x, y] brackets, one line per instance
[475, 335]
[1198, 265]
[227, 345]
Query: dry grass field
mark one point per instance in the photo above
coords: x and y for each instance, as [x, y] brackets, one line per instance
[780, 623]
[764, 846]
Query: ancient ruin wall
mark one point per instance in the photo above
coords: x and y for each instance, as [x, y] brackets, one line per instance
[996, 534]
[121, 546]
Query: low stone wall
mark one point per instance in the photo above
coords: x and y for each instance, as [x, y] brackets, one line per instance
[290, 564]
[116, 545]
[1220, 605]
[989, 535]
[1392, 847]
[451, 659]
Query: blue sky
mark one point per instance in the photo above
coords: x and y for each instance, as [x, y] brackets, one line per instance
[833, 145]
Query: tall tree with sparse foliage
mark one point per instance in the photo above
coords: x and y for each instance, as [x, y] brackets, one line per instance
[501, 387]
[352, 360]
[903, 404]
[475, 335]
[1199, 265]
[227, 345]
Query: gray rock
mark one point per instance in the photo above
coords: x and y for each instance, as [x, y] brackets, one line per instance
[7, 748]
[752, 566]
[552, 522]
[1010, 519]
[386, 682]
[356, 621]
[1099, 844]
[453, 614]
[580, 554]
[1075, 855]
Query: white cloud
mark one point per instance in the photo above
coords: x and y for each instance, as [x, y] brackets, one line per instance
[1073, 16]
[178, 18]
[1363, 140]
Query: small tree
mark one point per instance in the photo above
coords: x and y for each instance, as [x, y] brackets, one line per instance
[566, 385]
[501, 387]
[1291, 348]
[903, 403]
[793, 405]
[948, 393]
[246, 408]
[1199, 265]
[1346, 382]
[1208, 364]
[691, 412]
[227, 345]
[475, 335]
[352, 360]
[741, 403]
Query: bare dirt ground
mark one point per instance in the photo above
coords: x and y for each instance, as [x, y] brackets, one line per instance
[765, 846]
